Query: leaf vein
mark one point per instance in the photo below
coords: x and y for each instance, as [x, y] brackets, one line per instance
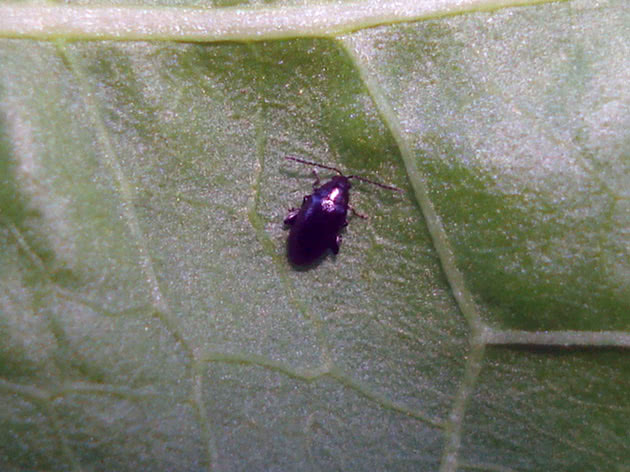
[227, 24]
[161, 308]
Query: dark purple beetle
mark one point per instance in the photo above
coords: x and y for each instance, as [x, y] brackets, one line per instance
[316, 226]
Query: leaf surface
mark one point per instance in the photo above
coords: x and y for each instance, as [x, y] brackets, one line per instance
[149, 319]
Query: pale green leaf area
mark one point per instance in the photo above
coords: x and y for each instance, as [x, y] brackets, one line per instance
[477, 320]
[528, 158]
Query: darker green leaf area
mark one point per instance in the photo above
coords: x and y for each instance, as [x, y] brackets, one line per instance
[523, 139]
[525, 260]
[10, 205]
[561, 419]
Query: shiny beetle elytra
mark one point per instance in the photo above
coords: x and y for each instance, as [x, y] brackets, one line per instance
[316, 225]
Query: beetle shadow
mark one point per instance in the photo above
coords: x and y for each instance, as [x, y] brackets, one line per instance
[316, 263]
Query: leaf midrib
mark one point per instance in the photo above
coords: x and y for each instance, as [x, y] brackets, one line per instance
[132, 23]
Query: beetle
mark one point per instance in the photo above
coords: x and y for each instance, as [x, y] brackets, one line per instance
[317, 224]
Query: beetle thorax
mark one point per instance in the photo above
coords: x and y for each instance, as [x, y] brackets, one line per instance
[332, 199]
[336, 195]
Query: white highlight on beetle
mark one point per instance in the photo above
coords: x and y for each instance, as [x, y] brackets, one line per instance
[328, 204]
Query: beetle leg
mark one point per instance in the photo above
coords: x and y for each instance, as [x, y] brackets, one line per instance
[335, 245]
[291, 216]
[316, 183]
[356, 213]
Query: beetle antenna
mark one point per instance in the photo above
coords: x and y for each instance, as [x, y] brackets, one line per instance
[378, 184]
[310, 163]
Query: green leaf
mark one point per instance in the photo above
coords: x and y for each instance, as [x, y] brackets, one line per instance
[149, 319]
